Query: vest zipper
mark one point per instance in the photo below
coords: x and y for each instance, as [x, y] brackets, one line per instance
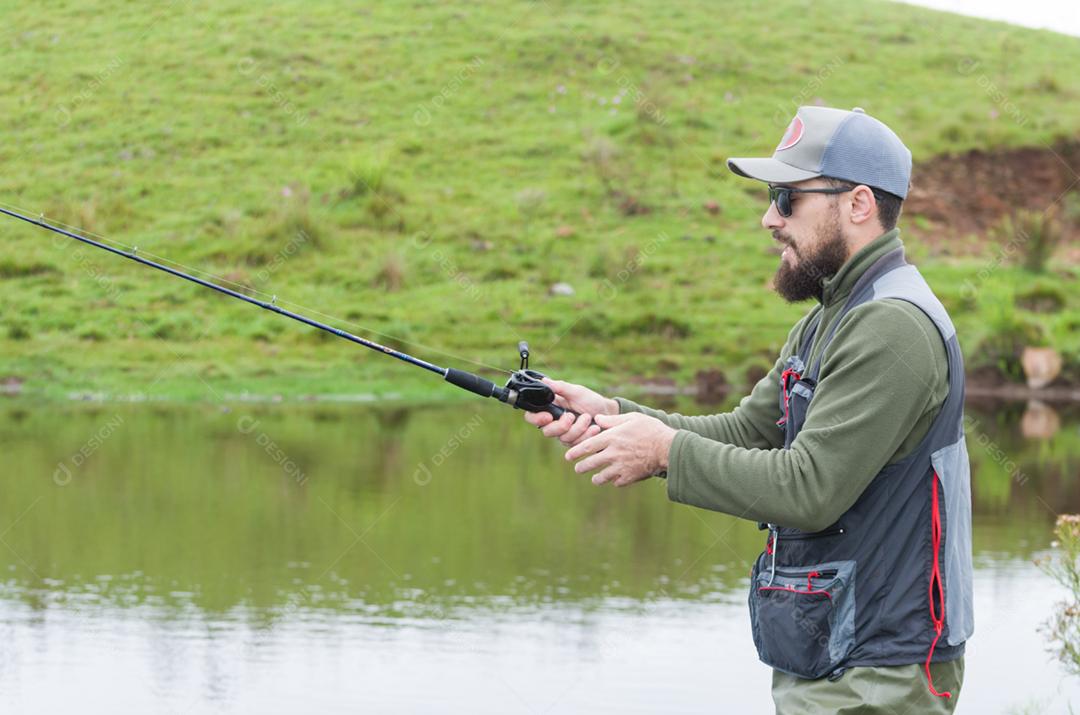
[772, 545]
[791, 573]
[836, 531]
[810, 590]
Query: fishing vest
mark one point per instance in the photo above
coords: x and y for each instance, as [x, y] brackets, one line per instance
[890, 583]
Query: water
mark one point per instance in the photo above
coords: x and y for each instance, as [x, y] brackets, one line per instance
[339, 559]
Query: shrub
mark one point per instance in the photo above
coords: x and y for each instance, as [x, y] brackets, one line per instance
[391, 275]
[1063, 627]
[1041, 299]
[18, 330]
[367, 177]
[1034, 235]
[1008, 334]
[278, 237]
[13, 269]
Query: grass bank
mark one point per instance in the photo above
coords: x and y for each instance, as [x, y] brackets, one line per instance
[430, 172]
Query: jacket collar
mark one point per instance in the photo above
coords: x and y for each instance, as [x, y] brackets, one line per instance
[838, 287]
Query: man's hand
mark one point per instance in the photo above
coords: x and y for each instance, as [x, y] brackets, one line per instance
[576, 398]
[632, 447]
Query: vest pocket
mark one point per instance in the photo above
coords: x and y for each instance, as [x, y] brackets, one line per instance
[803, 618]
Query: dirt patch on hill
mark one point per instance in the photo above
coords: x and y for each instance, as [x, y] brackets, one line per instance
[964, 198]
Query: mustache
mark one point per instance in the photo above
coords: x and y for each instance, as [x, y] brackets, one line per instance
[783, 238]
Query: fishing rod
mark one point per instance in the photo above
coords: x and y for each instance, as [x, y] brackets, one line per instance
[524, 390]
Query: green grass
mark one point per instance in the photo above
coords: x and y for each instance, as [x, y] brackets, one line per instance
[429, 171]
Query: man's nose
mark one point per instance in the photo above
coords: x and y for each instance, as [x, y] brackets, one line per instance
[772, 219]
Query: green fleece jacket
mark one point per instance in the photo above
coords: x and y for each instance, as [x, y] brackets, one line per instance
[883, 380]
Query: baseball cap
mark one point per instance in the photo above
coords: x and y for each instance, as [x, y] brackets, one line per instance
[848, 145]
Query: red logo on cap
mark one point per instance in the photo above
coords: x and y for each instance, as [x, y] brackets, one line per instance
[792, 135]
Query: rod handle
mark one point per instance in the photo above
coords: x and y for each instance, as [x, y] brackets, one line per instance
[556, 411]
[468, 381]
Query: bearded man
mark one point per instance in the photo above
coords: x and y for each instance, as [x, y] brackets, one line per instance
[849, 454]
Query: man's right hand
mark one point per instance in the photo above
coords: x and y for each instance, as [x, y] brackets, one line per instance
[576, 398]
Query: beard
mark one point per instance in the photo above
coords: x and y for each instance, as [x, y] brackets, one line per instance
[806, 277]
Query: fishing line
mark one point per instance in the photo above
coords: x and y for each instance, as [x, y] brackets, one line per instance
[523, 390]
[242, 287]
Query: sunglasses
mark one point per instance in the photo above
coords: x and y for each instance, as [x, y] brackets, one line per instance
[781, 196]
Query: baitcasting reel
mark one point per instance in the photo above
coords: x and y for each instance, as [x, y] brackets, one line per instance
[524, 390]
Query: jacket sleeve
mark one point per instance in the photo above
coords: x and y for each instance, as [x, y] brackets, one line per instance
[884, 374]
[752, 424]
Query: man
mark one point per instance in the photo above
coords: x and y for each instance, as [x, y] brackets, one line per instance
[850, 452]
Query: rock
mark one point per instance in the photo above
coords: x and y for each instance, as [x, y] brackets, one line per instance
[561, 289]
[1041, 366]
[1040, 421]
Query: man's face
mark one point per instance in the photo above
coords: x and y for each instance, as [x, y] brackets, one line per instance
[814, 246]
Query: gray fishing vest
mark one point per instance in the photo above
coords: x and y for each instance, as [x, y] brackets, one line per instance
[890, 583]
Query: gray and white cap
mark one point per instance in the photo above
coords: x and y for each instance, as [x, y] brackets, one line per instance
[822, 141]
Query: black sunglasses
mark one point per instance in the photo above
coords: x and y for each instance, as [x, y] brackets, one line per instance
[781, 195]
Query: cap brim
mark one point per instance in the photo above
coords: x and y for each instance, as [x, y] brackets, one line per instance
[770, 170]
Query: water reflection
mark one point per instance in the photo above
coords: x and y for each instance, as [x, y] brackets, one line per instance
[200, 558]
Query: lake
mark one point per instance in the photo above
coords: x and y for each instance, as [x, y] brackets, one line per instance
[347, 558]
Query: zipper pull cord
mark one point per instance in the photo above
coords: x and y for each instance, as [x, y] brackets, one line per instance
[937, 611]
[775, 547]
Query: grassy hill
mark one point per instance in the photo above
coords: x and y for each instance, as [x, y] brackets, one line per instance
[428, 172]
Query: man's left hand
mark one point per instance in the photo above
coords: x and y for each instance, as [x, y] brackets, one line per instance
[632, 447]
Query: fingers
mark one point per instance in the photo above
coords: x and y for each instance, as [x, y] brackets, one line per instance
[559, 388]
[539, 419]
[568, 429]
[607, 474]
[607, 421]
[573, 435]
[594, 461]
[589, 446]
[558, 427]
[556, 385]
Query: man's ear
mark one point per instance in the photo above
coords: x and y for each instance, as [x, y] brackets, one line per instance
[863, 204]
